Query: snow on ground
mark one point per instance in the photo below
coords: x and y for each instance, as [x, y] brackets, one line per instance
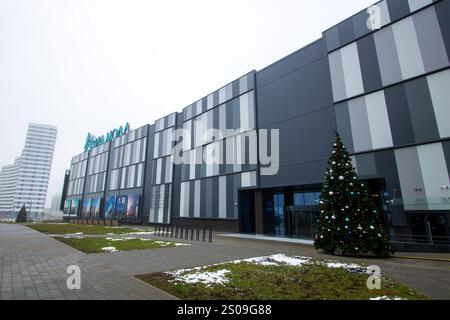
[78, 235]
[207, 278]
[197, 275]
[167, 243]
[276, 259]
[121, 239]
[352, 267]
[386, 298]
[110, 249]
[142, 233]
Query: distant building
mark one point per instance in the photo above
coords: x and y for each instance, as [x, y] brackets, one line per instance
[56, 204]
[25, 182]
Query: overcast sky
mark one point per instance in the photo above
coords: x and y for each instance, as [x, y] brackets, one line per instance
[92, 65]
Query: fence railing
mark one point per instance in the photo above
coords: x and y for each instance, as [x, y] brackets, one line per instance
[422, 239]
[184, 233]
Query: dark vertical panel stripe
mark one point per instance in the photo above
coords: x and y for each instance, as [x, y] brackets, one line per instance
[191, 198]
[346, 31]
[209, 198]
[398, 9]
[370, 68]
[344, 127]
[215, 197]
[203, 198]
[421, 109]
[399, 117]
[443, 12]
[446, 147]
[360, 24]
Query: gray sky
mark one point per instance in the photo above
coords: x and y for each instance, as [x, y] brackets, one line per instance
[92, 65]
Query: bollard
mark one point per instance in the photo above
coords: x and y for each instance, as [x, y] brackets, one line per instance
[171, 231]
[204, 234]
[181, 232]
[192, 233]
[210, 234]
[176, 232]
[198, 235]
[187, 234]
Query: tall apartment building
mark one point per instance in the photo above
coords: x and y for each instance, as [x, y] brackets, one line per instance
[380, 78]
[26, 181]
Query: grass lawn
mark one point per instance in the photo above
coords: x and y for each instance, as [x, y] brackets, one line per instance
[95, 245]
[55, 228]
[279, 281]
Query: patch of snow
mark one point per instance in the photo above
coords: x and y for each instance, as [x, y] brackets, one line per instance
[110, 249]
[277, 259]
[207, 278]
[141, 233]
[179, 244]
[163, 243]
[121, 239]
[292, 261]
[75, 234]
[352, 267]
[73, 237]
[386, 298]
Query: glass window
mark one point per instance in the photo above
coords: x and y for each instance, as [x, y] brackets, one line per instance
[307, 198]
[127, 155]
[131, 176]
[156, 146]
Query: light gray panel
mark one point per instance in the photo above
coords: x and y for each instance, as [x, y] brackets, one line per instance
[197, 194]
[439, 85]
[380, 130]
[352, 70]
[387, 56]
[415, 5]
[384, 13]
[431, 44]
[360, 125]
[434, 174]
[184, 199]
[411, 63]
[337, 76]
[222, 197]
[411, 182]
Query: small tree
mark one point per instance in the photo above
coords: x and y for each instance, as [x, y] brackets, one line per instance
[348, 221]
[22, 216]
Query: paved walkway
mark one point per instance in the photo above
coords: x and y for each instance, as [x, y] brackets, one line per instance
[33, 266]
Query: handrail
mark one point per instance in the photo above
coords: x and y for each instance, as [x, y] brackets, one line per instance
[184, 232]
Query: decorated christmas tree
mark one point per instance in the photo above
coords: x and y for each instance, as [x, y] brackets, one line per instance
[22, 216]
[348, 222]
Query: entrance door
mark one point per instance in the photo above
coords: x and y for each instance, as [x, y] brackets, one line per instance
[279, 216]
[247, 212]
[429, 228]
[438, 229]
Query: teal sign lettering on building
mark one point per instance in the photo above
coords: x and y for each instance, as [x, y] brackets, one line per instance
[93, 141]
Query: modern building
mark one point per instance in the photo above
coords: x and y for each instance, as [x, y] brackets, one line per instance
[381, 79]
[26, 181]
